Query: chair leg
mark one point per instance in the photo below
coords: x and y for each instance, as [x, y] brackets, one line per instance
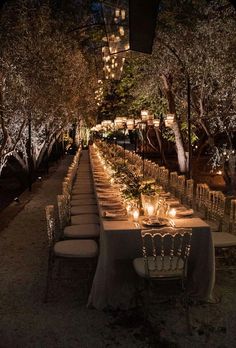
[187, 313]
[146, 300]
[49, 278]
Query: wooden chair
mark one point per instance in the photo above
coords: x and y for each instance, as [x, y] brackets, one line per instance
[165, 256]
[66, 249]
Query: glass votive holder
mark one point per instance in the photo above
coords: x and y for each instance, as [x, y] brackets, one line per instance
[150, 209]
[128, 208]
[135, 214]
[172, 213]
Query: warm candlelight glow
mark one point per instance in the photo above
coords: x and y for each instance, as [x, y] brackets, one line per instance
[150, 209]
[128, 208]
[172, 213]
[135, 213]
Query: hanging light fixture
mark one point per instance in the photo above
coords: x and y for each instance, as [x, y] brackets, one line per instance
[144, 115]
[169, 120]
[156, 123]
[130, 124]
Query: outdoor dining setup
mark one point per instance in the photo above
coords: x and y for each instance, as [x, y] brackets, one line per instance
[129, 219]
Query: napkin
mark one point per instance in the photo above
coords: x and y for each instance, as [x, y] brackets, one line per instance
[111, 204]
[116, 215]
[186, 212]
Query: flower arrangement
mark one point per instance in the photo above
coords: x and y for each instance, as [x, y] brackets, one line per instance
[127, 174]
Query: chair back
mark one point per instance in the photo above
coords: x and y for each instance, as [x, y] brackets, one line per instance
[166, 249]
[63, 204]
[51, 224]
[232, 217]
[180, 188]
[164, 178]
[216, 207]
[159, 174]
[173, 181]
[155, 170]
[189, 191]
[202, 197]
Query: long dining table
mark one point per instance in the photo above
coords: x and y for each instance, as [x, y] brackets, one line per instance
[115, 280]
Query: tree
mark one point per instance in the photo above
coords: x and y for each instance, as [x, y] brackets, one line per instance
[52, 82]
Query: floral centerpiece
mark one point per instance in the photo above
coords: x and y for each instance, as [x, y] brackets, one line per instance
[130, 179]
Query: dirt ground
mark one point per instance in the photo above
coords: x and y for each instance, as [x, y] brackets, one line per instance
[27, 322]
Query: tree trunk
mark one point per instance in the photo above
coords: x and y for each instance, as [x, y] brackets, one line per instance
[182, 160]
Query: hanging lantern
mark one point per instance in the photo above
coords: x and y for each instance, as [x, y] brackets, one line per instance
[156, 123]
[130, 124]
[137, 121]
[144, 115]
[150, 119]
[169, 120]
[119, 123]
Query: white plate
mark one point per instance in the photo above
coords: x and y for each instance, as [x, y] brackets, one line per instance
[155, 223]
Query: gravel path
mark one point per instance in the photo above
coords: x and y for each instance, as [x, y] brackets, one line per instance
[64, 322]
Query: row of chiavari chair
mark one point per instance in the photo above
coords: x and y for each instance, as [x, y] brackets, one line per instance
[75, 236]
[208, 204]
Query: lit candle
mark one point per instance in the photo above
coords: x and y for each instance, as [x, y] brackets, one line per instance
[172, 213]
[150, 209]
[117, 12]
[128, 208]
[135, 213]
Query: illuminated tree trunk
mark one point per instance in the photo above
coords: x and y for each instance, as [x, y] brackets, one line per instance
[182, 159]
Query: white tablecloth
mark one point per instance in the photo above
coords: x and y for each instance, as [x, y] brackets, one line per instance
[120, 242]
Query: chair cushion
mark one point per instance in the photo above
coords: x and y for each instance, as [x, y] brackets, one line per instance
[223, 239]
[82, 190]
[76, 248]
[82, 201]
[85, 175]
[83, 179]
[83, 185]
[83, 196]
[84, 170]
[140, 268]
[84, 219]
[82, 231]
[84, 209]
